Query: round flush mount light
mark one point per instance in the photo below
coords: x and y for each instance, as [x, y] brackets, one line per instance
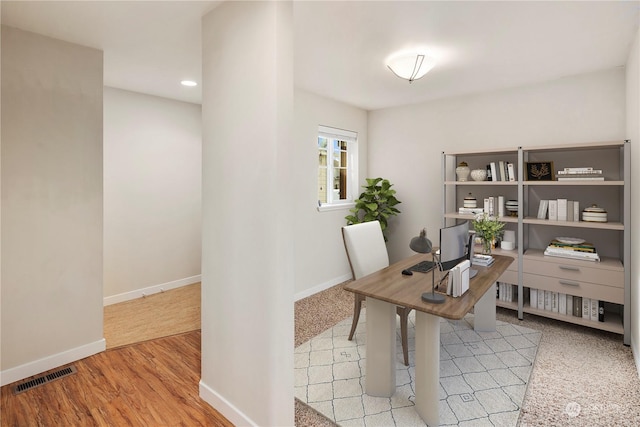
[410, 65]
[189, 83]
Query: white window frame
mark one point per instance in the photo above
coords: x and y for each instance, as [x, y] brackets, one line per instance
[351, 139]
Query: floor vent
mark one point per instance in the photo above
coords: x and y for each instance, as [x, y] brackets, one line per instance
[43, 379]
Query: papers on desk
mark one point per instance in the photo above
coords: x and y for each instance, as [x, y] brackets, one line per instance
[458, 282]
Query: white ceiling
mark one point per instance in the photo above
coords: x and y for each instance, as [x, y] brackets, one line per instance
[340, 46]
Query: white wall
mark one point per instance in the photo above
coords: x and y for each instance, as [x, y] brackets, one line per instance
[247, 235]
[152, 194]
[633, 133]
[405, 143]
[321, 261]
[51, 203]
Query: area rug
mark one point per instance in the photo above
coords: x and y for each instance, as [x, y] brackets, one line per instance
[483, 376]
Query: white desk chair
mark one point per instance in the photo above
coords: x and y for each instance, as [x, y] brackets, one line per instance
[367, 253]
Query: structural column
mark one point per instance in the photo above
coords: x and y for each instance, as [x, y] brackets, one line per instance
[247, 242]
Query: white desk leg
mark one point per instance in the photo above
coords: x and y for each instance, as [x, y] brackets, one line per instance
[381, 348]
[427, 367]
[485, 312]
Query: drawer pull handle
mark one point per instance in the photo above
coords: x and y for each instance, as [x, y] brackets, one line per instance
[565, 267]
[565, 282]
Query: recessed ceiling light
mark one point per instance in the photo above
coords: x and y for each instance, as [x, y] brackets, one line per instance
[189, 83]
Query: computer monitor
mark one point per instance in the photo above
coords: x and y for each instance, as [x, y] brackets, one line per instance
[456, 245]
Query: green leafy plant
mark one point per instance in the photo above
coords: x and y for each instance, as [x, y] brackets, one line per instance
[488, 228]
[376, 203]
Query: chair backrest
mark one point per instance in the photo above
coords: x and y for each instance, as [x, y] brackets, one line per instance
[366, 248]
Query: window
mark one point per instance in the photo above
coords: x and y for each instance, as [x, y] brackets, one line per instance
[337, 167]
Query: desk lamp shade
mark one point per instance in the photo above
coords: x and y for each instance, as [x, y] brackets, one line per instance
[420, 243]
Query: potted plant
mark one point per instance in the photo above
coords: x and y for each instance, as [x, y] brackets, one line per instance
[376, 203]
[488, 228]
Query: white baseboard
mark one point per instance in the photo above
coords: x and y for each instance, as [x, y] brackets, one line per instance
[139, 293]
[27, 370]
[222, 405]
[635, 351]
[321, 287]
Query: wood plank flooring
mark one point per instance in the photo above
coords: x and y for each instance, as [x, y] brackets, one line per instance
[154, 316]
[153, 383]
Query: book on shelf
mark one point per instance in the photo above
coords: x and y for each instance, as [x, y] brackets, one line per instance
[494, 172]
[500, 206]
[577, 306]
[568, 253]
[573, 171]
[470, 211]
[586, 308]
[595, 172]
[554, 302]
[594, 310]
[582, 247]
[562, 303]
[541, 299]
[501, 170]
[489, 174]
[576, 210]
[562, 209]
[581, 178]
[570, 210]
[553, 210]
[511, 170]
[600, 311]
[569, 310]
[533, 297]
[547, 300]
[542, 209]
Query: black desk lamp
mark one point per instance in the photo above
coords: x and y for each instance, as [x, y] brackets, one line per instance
[423, 245]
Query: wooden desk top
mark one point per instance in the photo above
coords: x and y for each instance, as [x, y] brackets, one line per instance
[390, 285]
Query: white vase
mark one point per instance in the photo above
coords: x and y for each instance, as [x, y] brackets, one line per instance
[479, 174]
[462, 171]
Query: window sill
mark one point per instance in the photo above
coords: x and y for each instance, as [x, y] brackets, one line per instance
[335, 207]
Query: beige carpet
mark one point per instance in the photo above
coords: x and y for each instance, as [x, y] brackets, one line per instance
[582, 377]
[155, 316]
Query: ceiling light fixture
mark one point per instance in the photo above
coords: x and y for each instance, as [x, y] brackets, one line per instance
[189, 83]
[410, 65]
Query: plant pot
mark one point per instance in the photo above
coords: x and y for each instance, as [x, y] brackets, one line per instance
[487, 245]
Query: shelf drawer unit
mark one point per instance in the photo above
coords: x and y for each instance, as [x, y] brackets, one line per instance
[607, 280]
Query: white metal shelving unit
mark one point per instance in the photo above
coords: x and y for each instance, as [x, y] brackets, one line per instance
[611, 238]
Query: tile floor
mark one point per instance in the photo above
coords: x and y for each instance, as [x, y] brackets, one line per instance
[483, 376]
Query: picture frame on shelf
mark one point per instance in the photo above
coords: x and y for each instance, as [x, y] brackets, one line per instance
[540, 171]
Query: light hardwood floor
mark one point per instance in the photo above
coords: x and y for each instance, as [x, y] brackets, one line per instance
[154, 316]
[141, 380]
[153, 383]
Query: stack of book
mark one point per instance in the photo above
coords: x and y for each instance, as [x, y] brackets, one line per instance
[470, 211]
[559, 210]
[507, 292]
[569, 305]
[482, 260]
[580, 174]
[501, 171]
[582, 251]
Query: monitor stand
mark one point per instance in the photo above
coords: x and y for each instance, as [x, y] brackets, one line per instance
[472, 273]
